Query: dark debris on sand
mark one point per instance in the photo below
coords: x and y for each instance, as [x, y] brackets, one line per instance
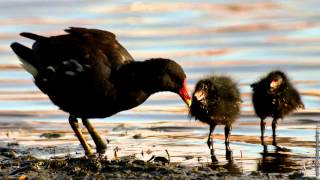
[29, 167]
[93, 168]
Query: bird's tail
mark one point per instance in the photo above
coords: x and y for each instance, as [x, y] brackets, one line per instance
[33, 36]
[27, 57]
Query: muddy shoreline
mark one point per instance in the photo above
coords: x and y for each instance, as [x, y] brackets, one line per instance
[44, 149]
[13, 166]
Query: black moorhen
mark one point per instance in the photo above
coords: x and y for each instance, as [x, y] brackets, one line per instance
[216, 101]
[89, 74]
[276, 97]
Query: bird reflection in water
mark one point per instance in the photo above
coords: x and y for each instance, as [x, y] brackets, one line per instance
[230, 166]
[229, 156]
[277, 162]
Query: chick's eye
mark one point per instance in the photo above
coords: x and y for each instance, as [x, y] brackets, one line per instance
[204, 87]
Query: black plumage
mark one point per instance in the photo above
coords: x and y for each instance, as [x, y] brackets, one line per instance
[89, 74]
[274, 96]
[216, 101]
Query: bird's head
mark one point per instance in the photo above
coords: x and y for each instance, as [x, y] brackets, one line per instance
[276, 79]
[167, 75]
[201, 91]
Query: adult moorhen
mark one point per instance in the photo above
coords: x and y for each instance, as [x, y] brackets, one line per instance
[274, 96]
[216, 101]
[89, 74]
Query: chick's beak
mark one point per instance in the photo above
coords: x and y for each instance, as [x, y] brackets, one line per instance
[273, 84]
[184, 95]
[200, 95]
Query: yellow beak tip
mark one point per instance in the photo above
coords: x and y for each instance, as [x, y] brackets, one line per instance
[188, 102]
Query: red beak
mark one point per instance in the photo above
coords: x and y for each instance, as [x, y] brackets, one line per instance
[184, 94]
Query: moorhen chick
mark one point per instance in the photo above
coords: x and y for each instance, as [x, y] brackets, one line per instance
[274, 96]
[89, 74]
[216, 101]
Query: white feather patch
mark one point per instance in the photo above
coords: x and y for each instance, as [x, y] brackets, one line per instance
[28, 67]
[70, 73]
[79, 67]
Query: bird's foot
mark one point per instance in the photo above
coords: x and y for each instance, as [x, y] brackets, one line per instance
[89, 152]
[101, 149]
[91, 156]
[214, 159]
[213, 156]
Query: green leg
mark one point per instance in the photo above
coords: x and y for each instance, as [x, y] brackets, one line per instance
[75, 127]
[100, 144]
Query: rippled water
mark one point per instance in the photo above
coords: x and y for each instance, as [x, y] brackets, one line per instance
[244, 40]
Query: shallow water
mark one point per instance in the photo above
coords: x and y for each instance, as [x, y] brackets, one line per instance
[244, 40]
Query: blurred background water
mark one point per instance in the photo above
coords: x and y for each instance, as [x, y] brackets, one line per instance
[243, 39]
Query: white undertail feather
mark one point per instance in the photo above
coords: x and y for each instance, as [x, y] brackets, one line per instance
[28, 67]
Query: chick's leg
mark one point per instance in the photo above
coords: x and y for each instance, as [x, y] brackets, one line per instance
[274, 128]
[262, 129]
[210, 144]
[227, 130]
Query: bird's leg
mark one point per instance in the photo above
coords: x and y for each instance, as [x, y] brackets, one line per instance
[210, 141]
[274, 137]
[210, 144]
[100, 144]
[262, 129]
[274, 127]
[227, 130]
[75, 127]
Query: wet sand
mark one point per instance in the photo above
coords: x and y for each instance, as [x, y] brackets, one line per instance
[184, 140]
